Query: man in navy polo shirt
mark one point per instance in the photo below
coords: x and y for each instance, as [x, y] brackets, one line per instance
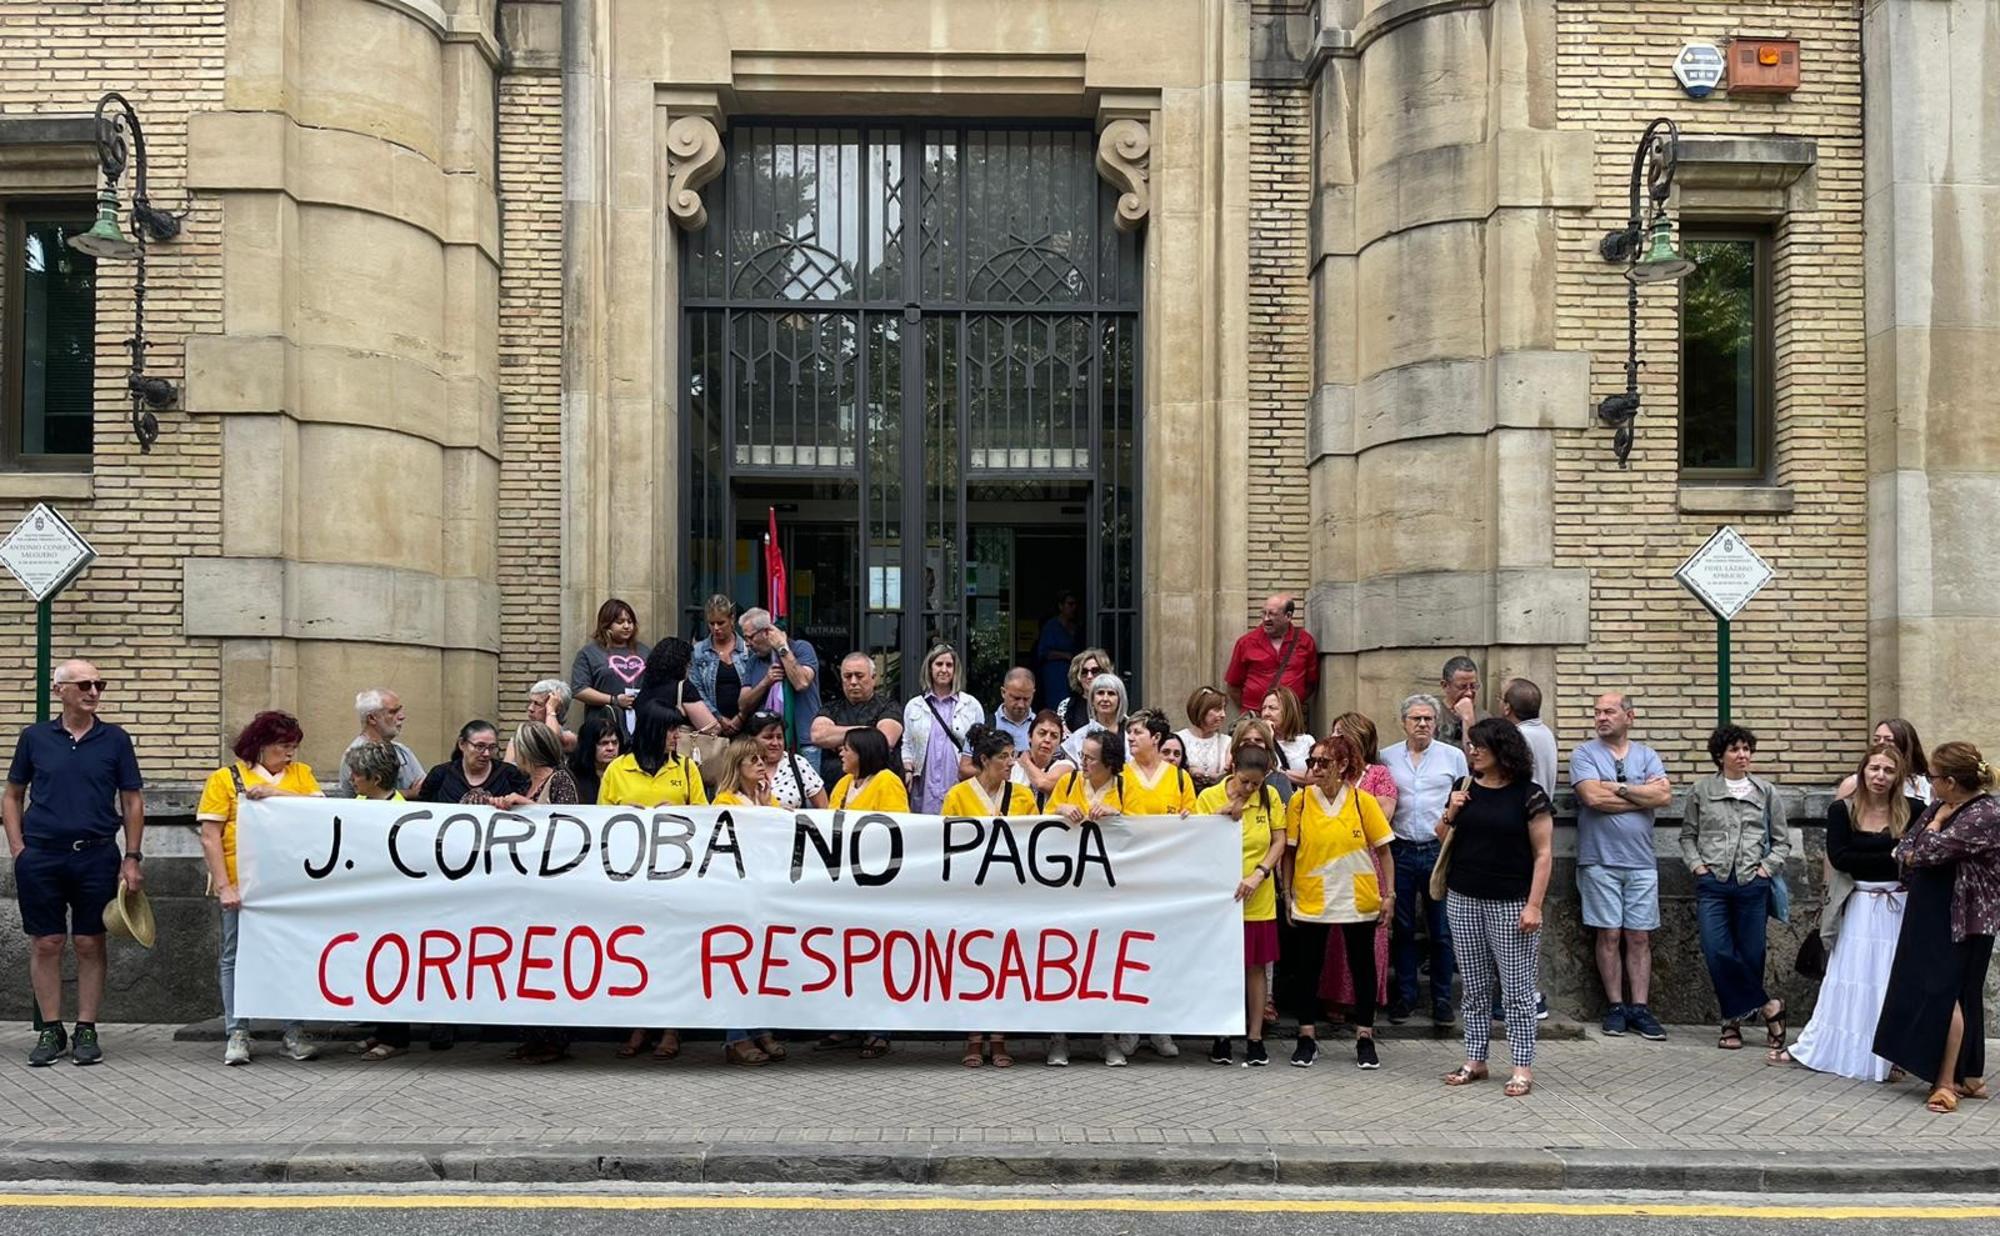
[79, 782]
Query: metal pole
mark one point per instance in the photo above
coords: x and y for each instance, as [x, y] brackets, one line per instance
[1722, 671]
[42, 670]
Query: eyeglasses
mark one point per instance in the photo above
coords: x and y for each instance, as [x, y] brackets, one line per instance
[86, 684]
[1618, 768]
[1317, 762]
[484, 748]
[1421, 720]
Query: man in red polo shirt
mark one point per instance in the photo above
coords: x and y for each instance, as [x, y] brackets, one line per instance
[1276, 650]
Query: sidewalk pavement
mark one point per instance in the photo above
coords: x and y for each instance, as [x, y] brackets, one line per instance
[1606, 1114]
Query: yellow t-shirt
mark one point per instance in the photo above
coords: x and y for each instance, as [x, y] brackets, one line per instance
[1333, 865]
[677, 784]
[967, 799]
[1258, 829]
[730, 798]
[218, 798]
[883, 792]
[1171, 791]
[1074, 791]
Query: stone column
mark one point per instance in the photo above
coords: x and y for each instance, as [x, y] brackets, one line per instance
[357, 366]
[1439, 168]
[1932, 109]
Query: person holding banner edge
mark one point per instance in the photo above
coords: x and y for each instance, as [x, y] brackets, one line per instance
[265, 767]
[746, 782]
[989, 792]
[1246, 797]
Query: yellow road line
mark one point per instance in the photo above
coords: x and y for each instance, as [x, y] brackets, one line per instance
[551, 1201]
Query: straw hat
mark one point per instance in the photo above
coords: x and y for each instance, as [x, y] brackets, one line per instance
[130, 915]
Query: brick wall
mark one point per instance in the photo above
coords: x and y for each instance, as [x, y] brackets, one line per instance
[531, 198]
[1800, 649]
[147, 512]
[1280, 331]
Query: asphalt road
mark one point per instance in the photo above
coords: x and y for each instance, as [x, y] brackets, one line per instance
[281, 1211]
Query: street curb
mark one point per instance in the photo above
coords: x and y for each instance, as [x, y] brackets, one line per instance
[1005, 1164]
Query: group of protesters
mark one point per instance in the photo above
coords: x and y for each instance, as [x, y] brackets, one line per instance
[1370, 874]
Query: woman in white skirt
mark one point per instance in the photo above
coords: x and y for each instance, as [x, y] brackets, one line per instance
[1863, 916]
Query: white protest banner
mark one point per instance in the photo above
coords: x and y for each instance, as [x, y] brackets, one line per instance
[695, 917]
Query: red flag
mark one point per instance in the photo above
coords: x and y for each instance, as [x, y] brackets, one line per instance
[774, 571]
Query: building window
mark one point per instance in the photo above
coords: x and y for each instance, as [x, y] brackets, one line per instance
[51, 338]
[1726, 388]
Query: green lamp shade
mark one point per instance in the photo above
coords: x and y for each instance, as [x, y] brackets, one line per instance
[1662, 263]
[105, 239]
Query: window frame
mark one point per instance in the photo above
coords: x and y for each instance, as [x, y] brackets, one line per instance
[1764, 411]
[14, 337]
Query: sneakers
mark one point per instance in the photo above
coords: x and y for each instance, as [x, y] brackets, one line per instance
[238, 1049]
[1641, 1019]
[1254, 1055]
[1057, 1056]
[1222, 1051]
[85, 1049]
[1114, 1050]
[1306, 1054]
[1163, 1046]
[1443, 1014]
[1541, 1007]
[1398, 1012]
[298, 1046]
[49, 1047]
[1364, 1054]
[1614, 1021]
[1128, 1044]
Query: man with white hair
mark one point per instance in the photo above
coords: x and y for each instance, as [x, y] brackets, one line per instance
[380, 711]
[778, 660]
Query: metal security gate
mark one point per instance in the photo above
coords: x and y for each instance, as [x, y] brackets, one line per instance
[920, 342]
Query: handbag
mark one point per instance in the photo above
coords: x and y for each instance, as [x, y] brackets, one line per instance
[1811, 961]
[1442, 867]
[708, 748]
[1781, 893]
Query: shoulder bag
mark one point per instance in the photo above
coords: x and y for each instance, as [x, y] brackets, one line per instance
[1442, 867]
[1781, 893]
[708, 748]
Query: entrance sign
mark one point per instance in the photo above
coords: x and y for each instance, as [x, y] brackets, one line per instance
[1724, 574]
[44, 553]
[737, 917]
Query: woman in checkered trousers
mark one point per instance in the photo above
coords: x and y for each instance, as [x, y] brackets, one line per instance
[1497, 877]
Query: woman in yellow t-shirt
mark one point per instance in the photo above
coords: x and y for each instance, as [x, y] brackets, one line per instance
[985, 794]
[869, 783]
[1243, 796]
[265, 767]
[1153, 784]
[1338, 842]
[651, 775]
[746, 782]
[746, 779]
[1093, 792]
[654, 773]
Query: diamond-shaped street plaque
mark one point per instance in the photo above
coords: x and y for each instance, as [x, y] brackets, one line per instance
[44, 552]
[1724, 574]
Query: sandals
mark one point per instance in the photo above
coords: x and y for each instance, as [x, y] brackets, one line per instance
[975, 1053]
[1464, 1076]
[1943, 1101]
[837, 1042]
[1774, 1037]
[381, 1051]
[632, 1046]
[1001, 1060]
[1974, 1088]
[1731, 1038]
[874, 1047]
[1519, 1087]
[743, 1051]
[670, 1045]
[768, 1044]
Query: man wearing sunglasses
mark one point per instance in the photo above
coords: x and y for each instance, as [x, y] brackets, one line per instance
[73, 785]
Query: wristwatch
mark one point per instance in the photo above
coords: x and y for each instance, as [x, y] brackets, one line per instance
[135, 856]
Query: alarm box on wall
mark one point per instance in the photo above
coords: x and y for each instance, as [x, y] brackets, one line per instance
[1763, 66]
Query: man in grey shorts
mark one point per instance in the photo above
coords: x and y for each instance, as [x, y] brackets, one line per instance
[1619, 785]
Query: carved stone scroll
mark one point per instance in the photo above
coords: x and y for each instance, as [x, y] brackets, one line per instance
[1124, 151]
[694, 157]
